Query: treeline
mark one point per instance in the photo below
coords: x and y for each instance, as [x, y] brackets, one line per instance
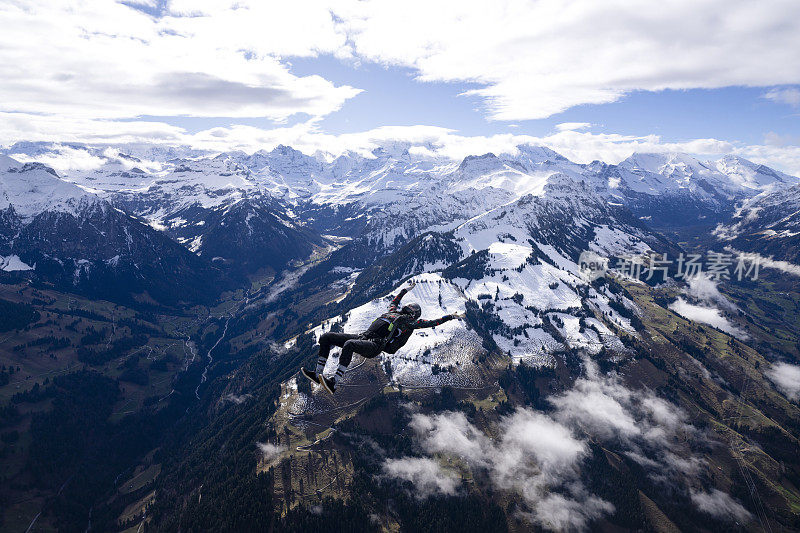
[6, 374]
[82, 402]
[51, 341]
[16, 316]
[78, 453]
[116, 349]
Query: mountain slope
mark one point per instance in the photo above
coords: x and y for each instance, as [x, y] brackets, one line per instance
[560, 404]
[678, 190]
[77, 241]
[769, 225]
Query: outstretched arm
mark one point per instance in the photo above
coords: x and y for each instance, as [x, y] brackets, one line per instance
[396, 300]
[433, 323]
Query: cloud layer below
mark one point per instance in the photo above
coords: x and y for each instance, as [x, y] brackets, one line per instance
[786, 378]
[540, 457]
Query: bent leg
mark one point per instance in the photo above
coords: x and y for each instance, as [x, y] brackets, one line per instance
[326, 341]
[364, 347]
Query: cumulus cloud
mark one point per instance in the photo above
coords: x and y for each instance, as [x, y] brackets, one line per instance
[270, 451]
[703, 288]
[425, 473]
[767, 262]
[563, 514]
[540, 456]
[451, 432]
[719, 505]
[644, 425]
[105, 61]
[706, 315]
[534, 456]
[786, 378]
[598, 407]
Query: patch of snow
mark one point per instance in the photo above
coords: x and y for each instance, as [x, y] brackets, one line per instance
[13, 263]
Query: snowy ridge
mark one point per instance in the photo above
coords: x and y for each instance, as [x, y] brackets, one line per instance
[32, 188]
[768, 224]
[515, 273]
[397, 190]
[773, 215]
[448, 346]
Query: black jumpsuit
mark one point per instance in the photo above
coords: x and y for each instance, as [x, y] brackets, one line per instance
[368, 344]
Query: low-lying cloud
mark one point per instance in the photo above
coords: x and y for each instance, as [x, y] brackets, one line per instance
[704, 288]
[719, 505]
[238, 399]
[768, 262]
[270, 451]
[786, 378]
[706, 315]
[534, 456]
[427, 476]
[540, 456]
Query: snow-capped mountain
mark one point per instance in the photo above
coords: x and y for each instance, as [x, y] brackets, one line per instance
[215, 206]
[246, 235]
[386, 198]
[72, 238]
[31, 188]
[679, 190]
[768, 224]
[496, 236]
[514, 269]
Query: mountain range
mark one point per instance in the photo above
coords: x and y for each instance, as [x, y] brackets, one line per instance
[561, 402]
[241, 213]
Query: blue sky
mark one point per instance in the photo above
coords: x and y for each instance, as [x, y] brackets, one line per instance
[392, 96]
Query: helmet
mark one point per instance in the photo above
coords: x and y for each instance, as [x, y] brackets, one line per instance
[412, 309]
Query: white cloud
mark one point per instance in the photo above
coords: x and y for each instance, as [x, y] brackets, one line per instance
[533, 455]
[550, 444]
[537, 59]
[529, 60]
[597, 407]
[451, 432]
[704, 288]
[540, 456]
[707, 315]
[238, 399]
[789, 96]
[786, 158]
[558, 513]
[767, 262]
[425, 473]
[99, 59]
[270, 451]
[719, 505]
[786, 378]
[64, 158]
[573, 126]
